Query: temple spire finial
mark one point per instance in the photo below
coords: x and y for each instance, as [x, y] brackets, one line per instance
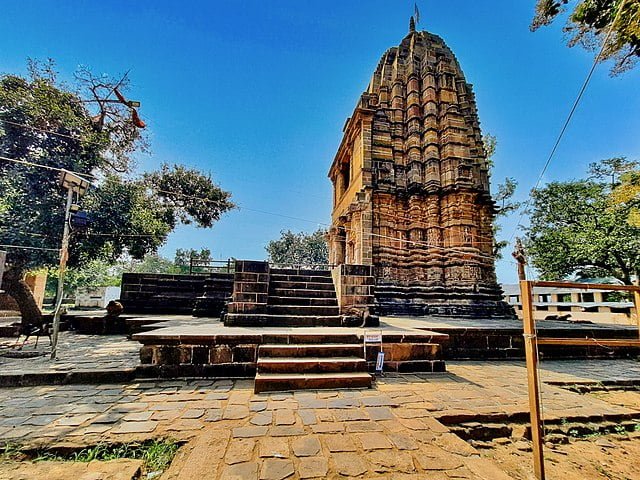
[412, 25]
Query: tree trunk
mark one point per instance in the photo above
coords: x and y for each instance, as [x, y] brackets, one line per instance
[15, 286]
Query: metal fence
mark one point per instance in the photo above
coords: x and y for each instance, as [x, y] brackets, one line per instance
[198, 266]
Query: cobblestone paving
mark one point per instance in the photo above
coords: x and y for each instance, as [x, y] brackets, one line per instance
[590, 370]
[491, 387]
[76, 352]
[393, 427]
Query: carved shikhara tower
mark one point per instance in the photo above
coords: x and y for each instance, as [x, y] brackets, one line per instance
[411, 187]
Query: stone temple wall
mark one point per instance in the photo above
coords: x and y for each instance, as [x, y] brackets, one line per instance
[411, 187]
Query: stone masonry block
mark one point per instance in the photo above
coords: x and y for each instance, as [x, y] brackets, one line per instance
[172, 355]
[252, 266]
[200, 355]
[356, 290]
[358, 280]
[245, 277]
[146, 354]
[411, 351]
[250, 287]
[245, 353]
[220, 354]
[239, 297]
[239, 307]
[251, 277]
[362, 270]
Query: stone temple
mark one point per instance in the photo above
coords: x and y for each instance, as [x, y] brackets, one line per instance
[411, 187]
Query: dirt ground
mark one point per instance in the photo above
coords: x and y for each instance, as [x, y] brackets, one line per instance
[615, 457]
[122, 469]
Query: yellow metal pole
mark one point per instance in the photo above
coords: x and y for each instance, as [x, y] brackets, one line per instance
[531, 352]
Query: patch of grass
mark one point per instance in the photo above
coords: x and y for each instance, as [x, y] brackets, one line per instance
[159, 455]
[10, 451]
[620, 429]
[156, 454]
[587, 432]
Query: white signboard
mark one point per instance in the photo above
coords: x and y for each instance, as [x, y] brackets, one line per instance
[373, 337]
[380, 362]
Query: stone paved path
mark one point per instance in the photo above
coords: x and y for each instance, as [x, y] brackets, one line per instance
[76, 352]
[394, 427]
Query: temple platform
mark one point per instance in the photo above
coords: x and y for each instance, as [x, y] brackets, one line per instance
[288, 357]
[501, 338]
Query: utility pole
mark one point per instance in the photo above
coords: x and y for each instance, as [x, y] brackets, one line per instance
[3, 258]
[73, 184]
[521, 259]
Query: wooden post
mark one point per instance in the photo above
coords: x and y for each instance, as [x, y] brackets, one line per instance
[531, 352]
[636, 302]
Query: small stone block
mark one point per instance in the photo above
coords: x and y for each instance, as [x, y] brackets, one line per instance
[276, 469]
[374, 441]
[306, 446]
[313, 467]
[248, 432]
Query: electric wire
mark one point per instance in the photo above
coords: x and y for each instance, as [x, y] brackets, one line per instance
[26, 247]
[399, 239]
[85, 176]
[568, 119]
[44, 130]
[544, 169]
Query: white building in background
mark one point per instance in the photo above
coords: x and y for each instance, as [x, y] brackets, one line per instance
[597, 306]
[97, 297]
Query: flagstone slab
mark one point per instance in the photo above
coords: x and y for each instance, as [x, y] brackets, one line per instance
[307, 446]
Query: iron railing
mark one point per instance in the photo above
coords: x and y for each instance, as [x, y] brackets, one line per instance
[198, 266]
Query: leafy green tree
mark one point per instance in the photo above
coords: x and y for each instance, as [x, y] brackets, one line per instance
[589, 22]
[151, 263]
[299, 248]
[503, 197]
[576, 230]
[82, 129]
[183, 258]
[505, 205]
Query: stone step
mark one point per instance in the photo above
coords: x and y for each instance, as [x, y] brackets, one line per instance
[326, 302]
[307, 310]
[301, 292]
[311, 350]
[300, 271]
[266, 320]
[311, 364]
[270, 382]
[300, 278]
[301, 285]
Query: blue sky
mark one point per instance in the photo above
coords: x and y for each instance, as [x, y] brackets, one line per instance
[257, 92]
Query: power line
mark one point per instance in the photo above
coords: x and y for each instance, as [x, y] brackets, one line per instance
[87, 176]
[569, 117]
[414, 242]
[26, 247]
[44, 130]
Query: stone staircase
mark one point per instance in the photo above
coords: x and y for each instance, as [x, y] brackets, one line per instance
[302, 298]
[312, 362]
[217, 292]
[295, 298]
